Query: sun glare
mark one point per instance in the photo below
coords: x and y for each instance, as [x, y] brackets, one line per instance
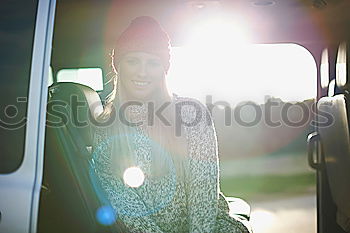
[248, 73]
[217, 34]
[218, 59]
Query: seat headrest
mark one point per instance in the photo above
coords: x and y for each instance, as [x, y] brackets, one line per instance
[67, 91]
[342, 66]
[332, 88]
[75, 106]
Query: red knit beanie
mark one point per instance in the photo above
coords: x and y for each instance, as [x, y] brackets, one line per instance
[144, 34]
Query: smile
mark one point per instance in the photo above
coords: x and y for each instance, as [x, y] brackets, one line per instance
[140, 83]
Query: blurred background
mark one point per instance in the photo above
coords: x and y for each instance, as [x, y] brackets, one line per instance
[262, 99]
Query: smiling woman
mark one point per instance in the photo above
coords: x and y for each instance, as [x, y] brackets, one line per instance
[156, 179]
[141, 57]
[141, 74]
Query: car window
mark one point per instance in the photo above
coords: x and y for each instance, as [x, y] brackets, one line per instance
[261, 106]
[91, 77]
[17, 24]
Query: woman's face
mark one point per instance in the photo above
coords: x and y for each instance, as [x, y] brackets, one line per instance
[141, 75]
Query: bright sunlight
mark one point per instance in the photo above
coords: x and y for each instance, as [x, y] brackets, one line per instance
[285, 71]
[219, 60]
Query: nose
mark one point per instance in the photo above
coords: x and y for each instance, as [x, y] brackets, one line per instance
[142, 73]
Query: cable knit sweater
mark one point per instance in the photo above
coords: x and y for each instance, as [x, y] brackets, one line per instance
[190, 203]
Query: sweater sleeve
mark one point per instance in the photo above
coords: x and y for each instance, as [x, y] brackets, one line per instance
[129, 207]
[203, 175]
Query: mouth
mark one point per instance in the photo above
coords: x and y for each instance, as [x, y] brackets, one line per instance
[140, 83]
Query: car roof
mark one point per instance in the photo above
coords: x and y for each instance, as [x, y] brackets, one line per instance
[85, 30]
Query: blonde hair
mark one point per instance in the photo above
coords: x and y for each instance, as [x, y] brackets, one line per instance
[123, 153]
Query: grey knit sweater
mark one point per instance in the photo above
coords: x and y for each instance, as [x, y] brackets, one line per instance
[189, 203]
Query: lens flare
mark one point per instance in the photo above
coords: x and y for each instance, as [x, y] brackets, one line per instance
[134, 177]
[105, 215]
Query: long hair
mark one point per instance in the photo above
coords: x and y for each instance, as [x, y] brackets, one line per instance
[111, 76]
[123, 148]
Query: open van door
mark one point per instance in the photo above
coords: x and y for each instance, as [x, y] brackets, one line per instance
[25, 43]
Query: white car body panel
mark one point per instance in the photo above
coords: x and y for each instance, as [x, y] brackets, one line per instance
[20, 190]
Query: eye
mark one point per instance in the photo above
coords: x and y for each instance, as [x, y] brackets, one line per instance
[154, 63]
[132, 61]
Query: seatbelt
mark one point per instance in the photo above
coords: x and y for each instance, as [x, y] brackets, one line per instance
[97, 197]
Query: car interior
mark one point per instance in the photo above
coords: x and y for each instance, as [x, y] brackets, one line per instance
[335, 150]
[84, 35]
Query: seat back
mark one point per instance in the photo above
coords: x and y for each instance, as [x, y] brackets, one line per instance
[335, 140]
[70, 203]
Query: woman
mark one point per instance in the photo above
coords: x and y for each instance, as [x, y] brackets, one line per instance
[170, 140]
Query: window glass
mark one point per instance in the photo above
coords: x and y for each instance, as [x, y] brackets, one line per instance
[248, 73]
[17, 24]
[91, 77]
[262, 143]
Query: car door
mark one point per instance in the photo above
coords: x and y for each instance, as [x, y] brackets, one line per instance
[25, 47]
